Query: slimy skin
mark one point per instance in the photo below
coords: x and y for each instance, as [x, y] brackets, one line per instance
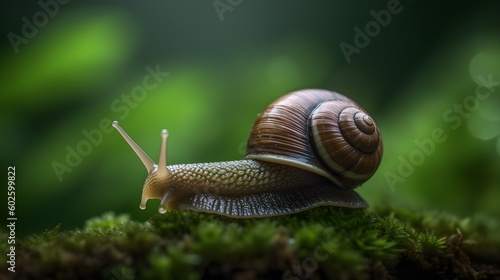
[245, 188]
[238, 177]
[229, 178]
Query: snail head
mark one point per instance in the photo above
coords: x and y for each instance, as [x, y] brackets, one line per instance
[158, 174]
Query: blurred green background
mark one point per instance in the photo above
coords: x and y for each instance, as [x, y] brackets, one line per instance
[73, 70]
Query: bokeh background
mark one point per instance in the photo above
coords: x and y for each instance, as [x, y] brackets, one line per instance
[224, 67]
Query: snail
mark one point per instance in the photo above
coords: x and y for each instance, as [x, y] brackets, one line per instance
[308, 148]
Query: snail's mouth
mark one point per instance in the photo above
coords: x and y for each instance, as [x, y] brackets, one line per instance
[163, 204]
[149, 191]
[169, 201]
[154, 187]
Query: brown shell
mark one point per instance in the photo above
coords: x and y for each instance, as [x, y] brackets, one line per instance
[299, 126]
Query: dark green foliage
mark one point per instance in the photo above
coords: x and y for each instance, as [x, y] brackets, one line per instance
[323, 243]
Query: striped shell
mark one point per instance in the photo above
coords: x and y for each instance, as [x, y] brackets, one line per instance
[320, 131]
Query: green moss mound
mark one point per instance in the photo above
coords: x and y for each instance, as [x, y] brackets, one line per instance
[323, 243]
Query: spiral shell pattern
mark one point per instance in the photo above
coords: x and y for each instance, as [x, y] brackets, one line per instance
[320, 131]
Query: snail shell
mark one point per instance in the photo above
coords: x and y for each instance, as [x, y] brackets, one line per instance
[320, 131]
[308, 148]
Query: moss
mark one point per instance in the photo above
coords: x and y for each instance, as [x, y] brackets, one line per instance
[323, 243]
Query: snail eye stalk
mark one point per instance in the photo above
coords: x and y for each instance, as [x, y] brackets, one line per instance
[146, 160]
[162, 160]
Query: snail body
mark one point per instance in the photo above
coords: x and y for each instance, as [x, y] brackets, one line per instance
[308, 148]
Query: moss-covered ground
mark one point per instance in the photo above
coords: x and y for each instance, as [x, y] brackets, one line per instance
[323, 243]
